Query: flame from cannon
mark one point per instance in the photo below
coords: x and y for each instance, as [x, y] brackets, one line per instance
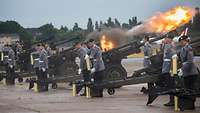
[164, 22]
[160, 23]
[170, 20]
[106, 44]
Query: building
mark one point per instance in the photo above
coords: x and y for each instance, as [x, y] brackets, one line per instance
[8, 39]
[35, 32]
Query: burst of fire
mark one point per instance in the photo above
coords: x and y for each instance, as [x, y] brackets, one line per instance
[106, 44]
[170, 20]
[161, 23]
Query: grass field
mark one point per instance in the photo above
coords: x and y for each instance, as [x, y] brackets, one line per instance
[139, 55]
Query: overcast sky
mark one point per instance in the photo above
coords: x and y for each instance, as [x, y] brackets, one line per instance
[34, 13]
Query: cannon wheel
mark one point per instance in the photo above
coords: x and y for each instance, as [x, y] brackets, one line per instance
[114, 72]
[111, 91]
[1, 77]
[54, 86]
[20, 79]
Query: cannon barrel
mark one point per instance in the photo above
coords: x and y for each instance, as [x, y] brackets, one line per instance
[115, 55]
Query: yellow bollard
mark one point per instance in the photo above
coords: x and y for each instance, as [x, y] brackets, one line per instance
[88, 63]
[174, 73]
[4, 81]
[2, 55]
[32, 59]
[74, 89]
[36, 87]
[88, 92]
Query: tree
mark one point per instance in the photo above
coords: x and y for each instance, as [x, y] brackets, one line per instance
[117, 24]
[110, 23]
[125, 26]
[196, 20]
[101, 26]
[90, 26]
[76, 27]
[48, 32]
[96, 25]
[134, 21]
[130, 22]
[64, 28]
[14, 27]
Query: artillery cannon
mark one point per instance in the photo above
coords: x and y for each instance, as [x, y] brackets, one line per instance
[63, 64]
[150, 74]
[63, 67]
[113, 58]
[23, 63]
[179, 89]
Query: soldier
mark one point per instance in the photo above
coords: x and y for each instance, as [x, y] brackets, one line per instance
[168, 52]
[146, 63]
[82, 53]
[36, 59]
[98, 67]
[9, 61]
[189, 70]
[84, 45]
[43, 67]
[18, 52]
[48, 49]
[147, 52]
[18, 49]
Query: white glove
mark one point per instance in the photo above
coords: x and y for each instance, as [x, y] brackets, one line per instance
[86, 56]
[79, 71]
[180, 72]
[93, 70]
[43, 69]
[11, 66]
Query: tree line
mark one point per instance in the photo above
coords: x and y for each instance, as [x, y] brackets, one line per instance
[48, 31]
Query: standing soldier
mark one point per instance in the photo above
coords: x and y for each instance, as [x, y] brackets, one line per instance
[18, 52]
[82, 53]
[84, 45]
[35, 61]
[43, 67]
[98, 67]
[48, 49]
[147, 54]
[36, 58]
[190, 72]
[168, 52]
[9, 61]
[18, 49]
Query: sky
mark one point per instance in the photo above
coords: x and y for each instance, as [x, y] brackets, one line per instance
[34, 13]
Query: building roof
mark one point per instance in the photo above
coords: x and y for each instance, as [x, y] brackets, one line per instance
[9, 35]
